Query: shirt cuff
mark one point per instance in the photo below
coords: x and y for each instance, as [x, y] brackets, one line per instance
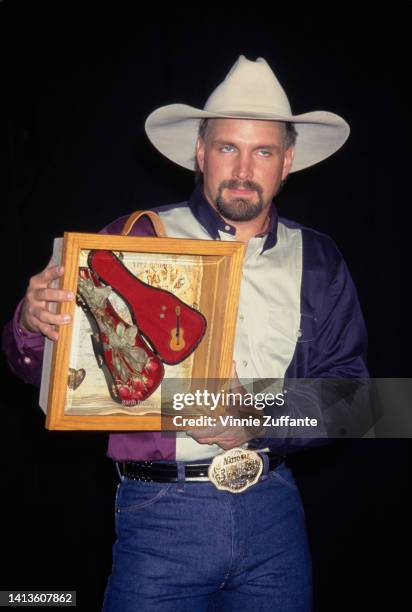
[25, 339]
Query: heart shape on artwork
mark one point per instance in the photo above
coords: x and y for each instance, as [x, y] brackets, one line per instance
[75, 378]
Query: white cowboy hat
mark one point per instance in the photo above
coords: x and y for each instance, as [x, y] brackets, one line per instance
[250, 91]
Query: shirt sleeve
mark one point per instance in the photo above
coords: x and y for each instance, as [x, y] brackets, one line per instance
[23, 349]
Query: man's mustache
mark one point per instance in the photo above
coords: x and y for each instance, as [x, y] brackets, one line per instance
[235, 184]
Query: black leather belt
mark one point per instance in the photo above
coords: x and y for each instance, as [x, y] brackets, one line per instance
[157, 471]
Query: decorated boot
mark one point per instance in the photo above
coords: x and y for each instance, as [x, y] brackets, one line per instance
[132, 370]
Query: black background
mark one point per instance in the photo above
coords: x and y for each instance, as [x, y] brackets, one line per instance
[77, 85]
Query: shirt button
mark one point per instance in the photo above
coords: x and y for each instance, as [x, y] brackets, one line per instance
[245, 363]
[27, 360]
[299, 333]
[241, 317]
[227, 227]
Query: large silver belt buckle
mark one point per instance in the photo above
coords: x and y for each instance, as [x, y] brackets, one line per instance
[235, 470]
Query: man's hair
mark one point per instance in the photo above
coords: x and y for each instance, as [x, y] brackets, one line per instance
[289, 140]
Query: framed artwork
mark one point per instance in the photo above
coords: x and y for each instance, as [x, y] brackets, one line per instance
[147, 310]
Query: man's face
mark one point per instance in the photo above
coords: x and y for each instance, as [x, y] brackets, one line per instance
[243, 163]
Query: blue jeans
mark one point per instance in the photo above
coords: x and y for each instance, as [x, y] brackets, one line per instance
[188, 547]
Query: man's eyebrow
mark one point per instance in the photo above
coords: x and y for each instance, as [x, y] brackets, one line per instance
[271, 147]
[220, 141]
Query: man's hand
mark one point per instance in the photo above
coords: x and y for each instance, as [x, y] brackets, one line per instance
[35, 313]
[228, 436]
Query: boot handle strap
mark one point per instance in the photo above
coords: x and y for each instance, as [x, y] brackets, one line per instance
[154, 218]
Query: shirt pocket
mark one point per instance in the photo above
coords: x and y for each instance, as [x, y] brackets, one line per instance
[293, 326]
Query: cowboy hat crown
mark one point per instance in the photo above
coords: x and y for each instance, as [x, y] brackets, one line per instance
[249, 87]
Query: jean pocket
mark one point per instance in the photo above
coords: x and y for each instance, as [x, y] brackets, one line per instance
[284, 476]
[132, 495]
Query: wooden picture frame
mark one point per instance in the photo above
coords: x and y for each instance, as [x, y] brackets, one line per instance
[209, 277]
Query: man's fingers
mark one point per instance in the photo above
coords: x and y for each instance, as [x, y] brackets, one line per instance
[204, 440]
[49, 331]
[52, 295]
[44, 316]
[201, 434]
[224, 442]
[236, 386]
[51, 273]
[233, 373]
[45, 277]
[35, 314]
[209, 434]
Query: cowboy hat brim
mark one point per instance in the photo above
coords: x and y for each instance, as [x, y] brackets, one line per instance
[173, 130]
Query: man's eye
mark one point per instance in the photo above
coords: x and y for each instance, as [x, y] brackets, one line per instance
[264, 153]
[227, 148]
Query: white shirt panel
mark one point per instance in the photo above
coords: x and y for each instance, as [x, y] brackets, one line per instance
[269, 307]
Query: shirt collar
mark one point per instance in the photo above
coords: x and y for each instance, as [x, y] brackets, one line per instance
[211, 220]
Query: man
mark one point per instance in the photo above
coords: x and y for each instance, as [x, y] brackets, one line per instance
[183, 543]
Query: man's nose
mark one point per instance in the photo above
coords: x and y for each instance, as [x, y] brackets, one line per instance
[243, 169]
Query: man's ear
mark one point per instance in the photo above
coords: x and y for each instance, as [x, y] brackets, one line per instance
[288, 160]
[200, 152]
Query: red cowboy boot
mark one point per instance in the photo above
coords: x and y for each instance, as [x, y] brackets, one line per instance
[132, 371]
[173, 328]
